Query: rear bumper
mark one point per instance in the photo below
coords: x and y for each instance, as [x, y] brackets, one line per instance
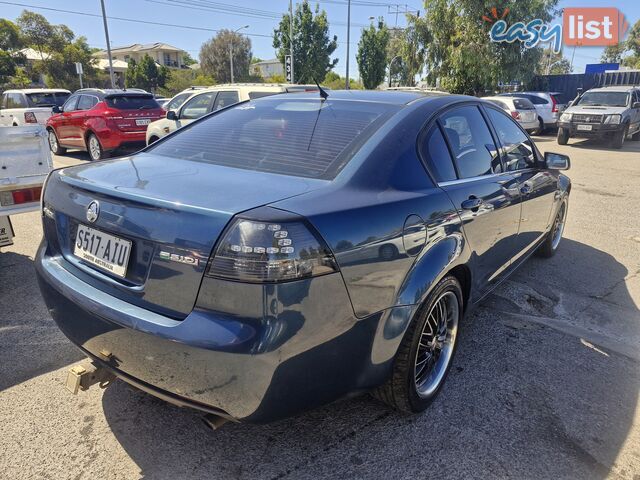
[110, 140]
[307, 348]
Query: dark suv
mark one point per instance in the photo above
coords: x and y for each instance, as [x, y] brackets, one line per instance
[100, 121]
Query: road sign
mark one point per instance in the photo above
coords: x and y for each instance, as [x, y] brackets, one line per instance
[79, 68]
[287, 67]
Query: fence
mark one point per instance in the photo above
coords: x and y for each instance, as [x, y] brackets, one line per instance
[569, 84]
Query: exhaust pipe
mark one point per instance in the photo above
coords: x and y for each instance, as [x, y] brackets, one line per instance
[214, 422]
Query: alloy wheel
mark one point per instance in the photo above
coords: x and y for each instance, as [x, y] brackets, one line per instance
[94, 148]
[436, 344]
[558, 226]
[53, 142]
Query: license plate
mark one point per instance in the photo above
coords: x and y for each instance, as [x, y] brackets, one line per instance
[585, 127]
[6, 232]
[103, 250]
[143, 121]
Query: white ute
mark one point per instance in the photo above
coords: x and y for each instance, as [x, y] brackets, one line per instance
[25, 162]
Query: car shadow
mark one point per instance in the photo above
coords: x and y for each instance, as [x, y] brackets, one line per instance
[595, 144]
[523, 400]
[30, 342]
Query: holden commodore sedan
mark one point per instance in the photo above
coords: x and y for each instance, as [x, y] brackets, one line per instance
[288, 251]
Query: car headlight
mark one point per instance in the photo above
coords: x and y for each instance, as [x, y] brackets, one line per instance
[613, 119]
[565, 117]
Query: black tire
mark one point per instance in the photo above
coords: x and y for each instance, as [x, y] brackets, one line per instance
[636, 136]
[54, 146]
[152, 140]
[563, 136]
[549, 246]
[619, 137]
[400, 391]
[540, 129]
[94, 148]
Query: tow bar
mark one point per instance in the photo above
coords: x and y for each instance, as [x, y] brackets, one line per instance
[86, 374]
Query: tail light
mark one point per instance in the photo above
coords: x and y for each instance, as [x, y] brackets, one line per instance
[30, 117]
[17, 197]
[281, 250]
[554, 108]
[515, 114]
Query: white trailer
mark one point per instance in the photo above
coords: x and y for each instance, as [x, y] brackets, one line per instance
[25, 162]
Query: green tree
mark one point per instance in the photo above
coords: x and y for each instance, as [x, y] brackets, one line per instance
[184, 78]
[214, 56]
[10, 43]
[146, 74]
[188, 60]
[613, 53]
[311, 43]
[553, 64]
[372, 54]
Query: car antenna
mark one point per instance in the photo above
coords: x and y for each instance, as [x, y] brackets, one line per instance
[322, 91]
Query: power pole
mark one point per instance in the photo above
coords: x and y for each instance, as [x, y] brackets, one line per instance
[348, 35]
[231, 58]
[106, 34]
[291, 38]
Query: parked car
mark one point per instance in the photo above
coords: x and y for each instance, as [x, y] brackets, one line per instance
[30, 105]
[549, 106]
[25, 162]
[214, 269]
[521, 109]
[212, 99]
[176, 101]
[607, 113]
[100, 121]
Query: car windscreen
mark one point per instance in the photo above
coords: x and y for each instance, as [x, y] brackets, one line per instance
[132, 102]
[609, 99]
[47, 99]
[523, 104]
[299, 137]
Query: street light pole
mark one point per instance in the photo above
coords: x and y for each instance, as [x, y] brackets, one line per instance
[106, 34]
[291, 38]
[348, 33]
[231, 50]
[391, 63]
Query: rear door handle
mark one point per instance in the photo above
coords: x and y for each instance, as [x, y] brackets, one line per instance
[472, 203]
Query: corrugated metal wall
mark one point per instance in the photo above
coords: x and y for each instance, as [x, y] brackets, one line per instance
[569, 84]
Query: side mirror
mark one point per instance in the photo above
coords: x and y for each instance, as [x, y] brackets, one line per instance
[56, 109]
[172, 115]
[557, 161]
[636, 105]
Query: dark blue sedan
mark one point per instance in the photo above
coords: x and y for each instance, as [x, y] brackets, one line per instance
[288, 251]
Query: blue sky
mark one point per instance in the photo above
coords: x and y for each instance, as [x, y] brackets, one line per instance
[236, 13]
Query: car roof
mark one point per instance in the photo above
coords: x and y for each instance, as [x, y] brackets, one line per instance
[378, 96]
[614, 88]
[37, 90]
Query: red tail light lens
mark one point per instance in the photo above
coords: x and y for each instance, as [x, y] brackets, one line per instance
[30, 117]
[554, 108]
[268, 252]
[17, 197]
[515, 114]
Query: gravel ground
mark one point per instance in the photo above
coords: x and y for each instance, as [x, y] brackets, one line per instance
[544, 384]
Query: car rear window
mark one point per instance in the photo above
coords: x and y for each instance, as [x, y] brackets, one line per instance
[523, 104]
[132, 102]
[500, 104]
[47, 99]
[300, 137]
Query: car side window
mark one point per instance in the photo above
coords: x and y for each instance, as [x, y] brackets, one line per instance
[536, 100]
[70, 104]
[197, 106]
[177, 101]
[86, 102]
[16, 100]
[225, 99]
[4, 100]
[435, 152]
[471, 143]
[518, 149]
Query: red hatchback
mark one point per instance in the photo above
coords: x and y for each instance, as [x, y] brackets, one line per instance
[100, 121]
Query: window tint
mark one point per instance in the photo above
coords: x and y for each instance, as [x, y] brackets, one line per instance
[254, 95]
[500, 104]
[225, 99]
[70, 104]
[132, 102]
[197, 106]
[16, 100]
[536, 100]
[471, 142]
[523, 104]
[301, 137]
[178, 100]
[518, 149]
[86, 102]
[434, 150]
[561, 98]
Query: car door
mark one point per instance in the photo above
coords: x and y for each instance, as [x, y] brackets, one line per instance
[75, 122]
[61, 122]
[486, 197]
[536, 184]
[635, 112]
[4, 115]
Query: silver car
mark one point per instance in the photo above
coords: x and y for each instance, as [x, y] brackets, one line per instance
[520, 109]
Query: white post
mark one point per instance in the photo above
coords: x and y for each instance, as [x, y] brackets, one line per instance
[348, 36]
[291, 37]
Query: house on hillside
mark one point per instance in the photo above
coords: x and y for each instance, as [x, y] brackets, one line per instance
[161, 53]
[267, 68]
